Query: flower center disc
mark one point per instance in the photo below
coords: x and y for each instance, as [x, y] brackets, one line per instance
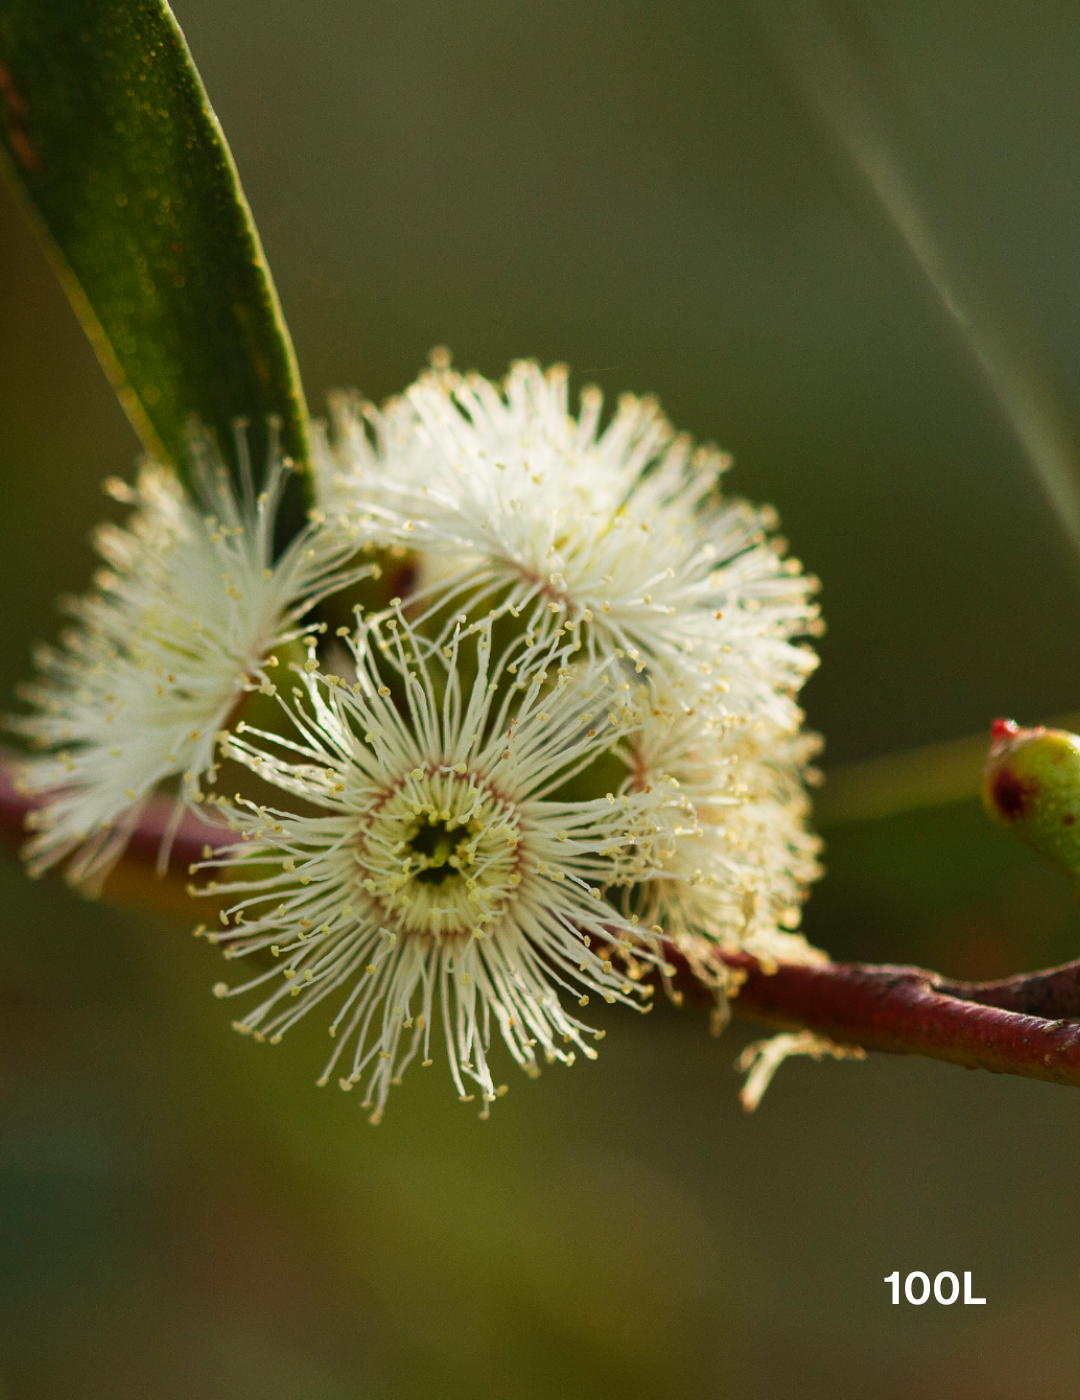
[438, 846]
[440, 856]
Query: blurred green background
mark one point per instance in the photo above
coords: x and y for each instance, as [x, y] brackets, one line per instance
[635, 189]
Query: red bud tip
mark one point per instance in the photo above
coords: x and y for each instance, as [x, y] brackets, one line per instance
[1004, 729]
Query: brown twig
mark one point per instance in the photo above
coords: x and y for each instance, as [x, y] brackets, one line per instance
[1017, 1026]
[999, 1026]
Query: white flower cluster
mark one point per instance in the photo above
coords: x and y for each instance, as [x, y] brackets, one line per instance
[568, 745]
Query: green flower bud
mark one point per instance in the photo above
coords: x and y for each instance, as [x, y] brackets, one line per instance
[1031, 786]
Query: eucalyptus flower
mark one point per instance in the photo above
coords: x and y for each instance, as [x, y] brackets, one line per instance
[734, 856]
[448, 867]
[510, 501]
[181, 625]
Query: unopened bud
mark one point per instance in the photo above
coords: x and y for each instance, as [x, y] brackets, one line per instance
[1031, 786]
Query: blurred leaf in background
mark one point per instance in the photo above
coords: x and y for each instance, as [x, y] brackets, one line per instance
[632, 188]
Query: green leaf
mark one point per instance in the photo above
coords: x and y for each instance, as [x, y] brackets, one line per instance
[111, 137]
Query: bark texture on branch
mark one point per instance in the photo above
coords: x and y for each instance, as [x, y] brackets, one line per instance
[999, 1026]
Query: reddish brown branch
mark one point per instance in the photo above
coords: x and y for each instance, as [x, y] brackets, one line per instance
[1053, 993]
[1016, 1026]
[909, 1011]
